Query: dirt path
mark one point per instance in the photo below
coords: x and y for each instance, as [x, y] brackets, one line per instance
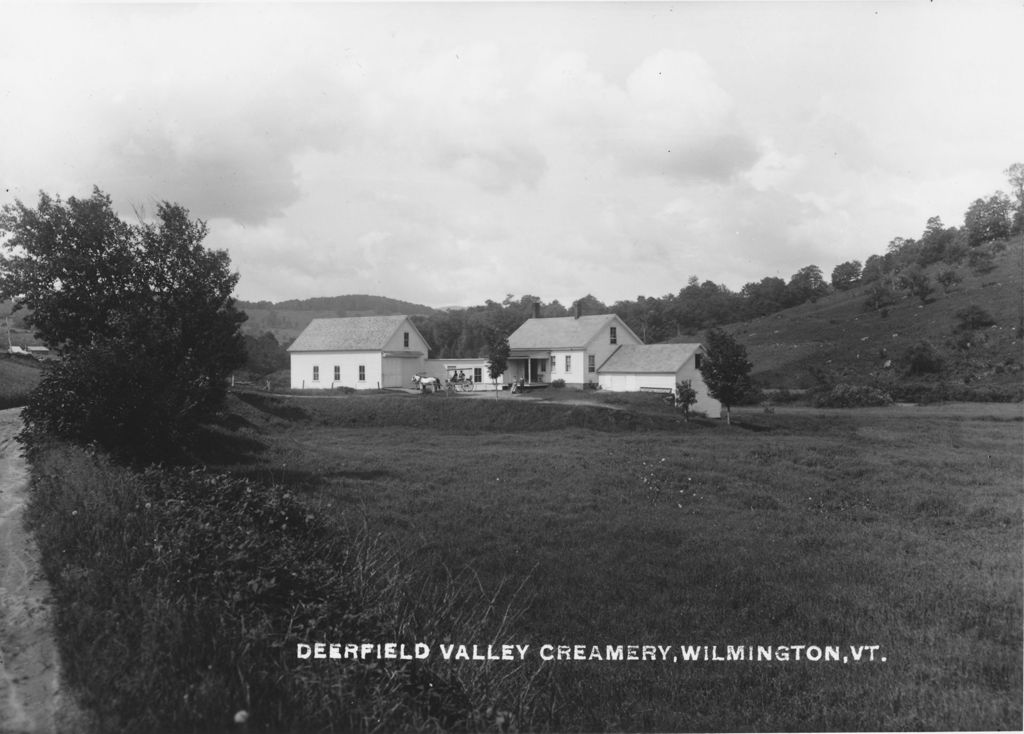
[30, 696]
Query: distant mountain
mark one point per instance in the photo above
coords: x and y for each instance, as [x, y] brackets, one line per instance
[285, 320]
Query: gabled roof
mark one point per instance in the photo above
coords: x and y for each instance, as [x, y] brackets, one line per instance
[649, 358]
[354, 334]
[561, 333]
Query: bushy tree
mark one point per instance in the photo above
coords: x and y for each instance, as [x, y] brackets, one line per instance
[140, 314]
[987, 219]
[807, 284]
[948, 279]
[726, 370]
[846, 275]
[917, 283]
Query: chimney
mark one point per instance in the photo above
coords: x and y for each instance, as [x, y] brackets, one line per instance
[536, 309]
[576, 310]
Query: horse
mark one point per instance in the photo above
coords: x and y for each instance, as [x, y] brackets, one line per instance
[424, 382]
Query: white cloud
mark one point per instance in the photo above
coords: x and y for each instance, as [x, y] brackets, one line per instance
[452, 153]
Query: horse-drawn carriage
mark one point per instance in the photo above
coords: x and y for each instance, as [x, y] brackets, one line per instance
[456, 382]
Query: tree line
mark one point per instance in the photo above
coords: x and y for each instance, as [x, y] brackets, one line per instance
[701, 305]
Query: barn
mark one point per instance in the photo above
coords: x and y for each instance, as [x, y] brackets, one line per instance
[364, 353]
[636, 367]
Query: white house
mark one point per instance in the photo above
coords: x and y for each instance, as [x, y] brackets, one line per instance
[567, 348]
[632, 368]
[364, 353]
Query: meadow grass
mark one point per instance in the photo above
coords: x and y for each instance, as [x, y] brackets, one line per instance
[18, 376]
[897, 527]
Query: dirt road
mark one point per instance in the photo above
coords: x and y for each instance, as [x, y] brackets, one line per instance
[30, 696]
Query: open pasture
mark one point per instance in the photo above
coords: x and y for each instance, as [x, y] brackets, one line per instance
[898, 527]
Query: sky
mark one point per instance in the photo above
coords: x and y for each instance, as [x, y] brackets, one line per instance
[451, 153]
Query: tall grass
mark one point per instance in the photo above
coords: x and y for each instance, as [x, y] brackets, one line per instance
[181, 597]
[18, 376]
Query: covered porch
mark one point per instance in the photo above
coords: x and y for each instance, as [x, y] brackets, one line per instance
[532, 366]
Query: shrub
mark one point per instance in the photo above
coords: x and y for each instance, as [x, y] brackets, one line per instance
[973, 317]
[181, 598]
[922, 358]
[852, 396]
[949, 279]
[558, 383]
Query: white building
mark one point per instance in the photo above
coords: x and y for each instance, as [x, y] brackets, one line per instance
[566, 348]
[364, 353]
[632, 368]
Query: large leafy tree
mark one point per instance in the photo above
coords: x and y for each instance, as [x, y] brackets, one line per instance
[141, 315]
[988, 219]
[725, 369]
[846, 275]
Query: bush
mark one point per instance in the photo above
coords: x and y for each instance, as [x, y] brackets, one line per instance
[181, 598]
[558, 383]
[973, 317]
[922, 358]
[852, 396]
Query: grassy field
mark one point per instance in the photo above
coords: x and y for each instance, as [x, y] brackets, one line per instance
[18, 376]
[898, 527]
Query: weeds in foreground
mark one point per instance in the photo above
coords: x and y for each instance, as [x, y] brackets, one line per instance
[182, 597]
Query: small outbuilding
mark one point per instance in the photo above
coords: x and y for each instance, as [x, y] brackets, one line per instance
[364, 353]
[658, 367]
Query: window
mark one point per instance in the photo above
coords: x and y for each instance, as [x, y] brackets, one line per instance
[337, 373]
[613, 335]
[697, 360]
[591, 363]
[362, 373]
[316, 373]
[568, 363]
[478, 374]
[405, 339]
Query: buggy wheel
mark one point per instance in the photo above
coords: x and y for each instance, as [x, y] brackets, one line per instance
[467, 386]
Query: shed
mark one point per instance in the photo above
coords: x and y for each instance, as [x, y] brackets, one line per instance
[659, 367]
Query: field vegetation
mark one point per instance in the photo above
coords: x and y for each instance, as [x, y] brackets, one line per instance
[897, 527]
[18, 377]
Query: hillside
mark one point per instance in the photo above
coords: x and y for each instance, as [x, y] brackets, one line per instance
[285, 320]
[839, 335]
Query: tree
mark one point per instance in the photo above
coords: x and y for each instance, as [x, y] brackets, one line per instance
[497, 356]
[725, 370]
[917, 282]
[807, 284]
[141, 315]
[845, 275]
[685, 397]
[1015, 174]
[948, 279]
[987, 219]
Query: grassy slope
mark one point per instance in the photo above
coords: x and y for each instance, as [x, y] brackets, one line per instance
[804, 527]
[836, 333]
